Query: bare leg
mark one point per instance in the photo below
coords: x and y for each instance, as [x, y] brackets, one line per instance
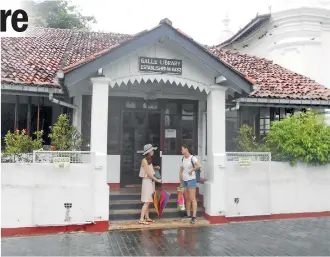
[147, 212]
[144, 211]
[147, 215]
[187, 202]
[193, 201]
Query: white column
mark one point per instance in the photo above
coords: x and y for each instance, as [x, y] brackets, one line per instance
[214, 196]
[324, 63]
[202, 140]
[76, 119]
[99, 132]
[99, 125]
[201, 111]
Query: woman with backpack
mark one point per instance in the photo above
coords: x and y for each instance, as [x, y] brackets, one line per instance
[188, 180]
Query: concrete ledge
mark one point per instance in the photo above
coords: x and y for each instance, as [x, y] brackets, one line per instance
[282, 216]
[98, 226]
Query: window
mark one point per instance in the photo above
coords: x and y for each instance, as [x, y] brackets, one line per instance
[264, 121]
[171, 124]
[114, 120]
[231, 130]
[267, 115]
[141, 104]
[188, 126]
[7, 119]
[22, 116]
[180, 127]
[280, 113]
[86, 120]
[130, 104]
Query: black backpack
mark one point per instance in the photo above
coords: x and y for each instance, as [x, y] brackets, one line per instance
[197, 172]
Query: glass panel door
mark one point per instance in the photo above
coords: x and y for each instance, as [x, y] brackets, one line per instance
[140, 127]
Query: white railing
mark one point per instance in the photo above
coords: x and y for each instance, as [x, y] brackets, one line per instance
[17, 158]
[251, 156]
[63, 156]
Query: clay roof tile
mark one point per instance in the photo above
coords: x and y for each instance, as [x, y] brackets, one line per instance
[35, 61]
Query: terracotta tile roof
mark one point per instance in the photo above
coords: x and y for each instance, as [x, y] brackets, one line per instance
[87, 44]
[272, 80]
[36, 60]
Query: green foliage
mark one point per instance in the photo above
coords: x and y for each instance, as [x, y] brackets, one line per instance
[57, 14]
[65, 136]
[303, 137]
[19, 142]
[246, 141]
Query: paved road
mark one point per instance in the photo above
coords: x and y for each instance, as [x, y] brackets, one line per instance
[288, 237]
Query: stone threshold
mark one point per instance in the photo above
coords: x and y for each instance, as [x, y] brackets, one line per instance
[159, 224]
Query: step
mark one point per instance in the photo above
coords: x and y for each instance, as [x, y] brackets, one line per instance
[174, 214]
[125, 204]
[161, 223]
[134, 211]
[137, 196]
[136, 191]
[136, 204]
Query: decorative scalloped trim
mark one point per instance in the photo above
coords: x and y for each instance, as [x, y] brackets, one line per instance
[157, 78]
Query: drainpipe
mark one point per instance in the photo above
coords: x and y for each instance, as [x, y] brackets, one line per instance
[56, 101]
[60, 76]
[234, 108]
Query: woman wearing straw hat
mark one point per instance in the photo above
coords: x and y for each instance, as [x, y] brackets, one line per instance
[147, 174]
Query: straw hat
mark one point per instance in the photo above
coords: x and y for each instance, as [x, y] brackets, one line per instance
[148, 148]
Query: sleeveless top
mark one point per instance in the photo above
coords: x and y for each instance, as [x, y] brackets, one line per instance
[143, 173]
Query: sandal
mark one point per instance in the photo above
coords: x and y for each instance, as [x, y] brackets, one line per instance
[149, 220]
[143, 222]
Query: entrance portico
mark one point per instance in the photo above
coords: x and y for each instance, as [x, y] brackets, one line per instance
[122, 102]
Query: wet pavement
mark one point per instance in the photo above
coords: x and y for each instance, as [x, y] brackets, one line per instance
[299, 237]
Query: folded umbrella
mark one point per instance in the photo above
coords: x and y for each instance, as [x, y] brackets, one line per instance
[160, 198]
[163, 202]
[156, 202]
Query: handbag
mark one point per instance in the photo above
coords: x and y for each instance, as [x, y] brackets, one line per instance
[157, 174]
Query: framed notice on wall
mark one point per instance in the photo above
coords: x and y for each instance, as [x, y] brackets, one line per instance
[244, 162]
[170, 133]
[161, 65]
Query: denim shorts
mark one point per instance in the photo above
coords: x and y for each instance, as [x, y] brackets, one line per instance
[190, 183]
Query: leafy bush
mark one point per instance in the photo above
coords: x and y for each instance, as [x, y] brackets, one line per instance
[19, 144]
[246, 141]
[65, 136]
[303, 137]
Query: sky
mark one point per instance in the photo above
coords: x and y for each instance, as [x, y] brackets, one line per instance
[201, 19]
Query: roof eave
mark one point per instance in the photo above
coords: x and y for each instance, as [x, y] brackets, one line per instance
[261, 19]
[26, 88]
[72, 76]
[263, 101]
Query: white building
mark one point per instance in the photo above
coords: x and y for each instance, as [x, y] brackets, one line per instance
[158, 86]
[297, 38]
